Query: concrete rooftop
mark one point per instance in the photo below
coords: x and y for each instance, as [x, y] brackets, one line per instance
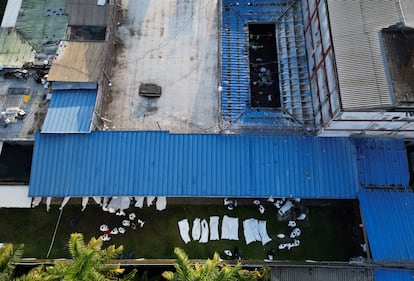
[174, 44]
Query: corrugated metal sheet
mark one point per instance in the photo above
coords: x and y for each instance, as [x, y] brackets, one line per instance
[70, 111]
[388, 217]
[382, 274]
[88, 12]
[355, 29]
[315, 273]
[158, 163]
[14, 50]
[236, 105]
[78, 62]
[371, 155]
[11, 13]
[408, 11]
[43, 23]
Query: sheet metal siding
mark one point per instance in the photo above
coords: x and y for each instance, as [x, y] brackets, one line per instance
[360, 63]
[389, 222]
[315, 273]
[408, 11]
[371, 155]
[159, 163]
[87, 13]
[70, 111]
[381, 274]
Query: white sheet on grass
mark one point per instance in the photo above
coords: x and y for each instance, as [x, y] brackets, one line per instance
[161, 203]
[263, 233]
[64, 202]
[35, 201]
[230, 228]
[85, 201]
[98, 200]
[251, 230]
[150, 199]
[196, 230]
[204, 231]
[184, 230]
[139, 201]
[214, 233]
[255, 230]
[48, 202]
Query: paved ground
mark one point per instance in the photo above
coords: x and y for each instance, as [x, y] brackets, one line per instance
[174, 44]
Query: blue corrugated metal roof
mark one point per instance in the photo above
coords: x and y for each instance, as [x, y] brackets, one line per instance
[158, 163]
[389, 222]
[70, 111]
[371, 154]
[381, 274]
[125, 163]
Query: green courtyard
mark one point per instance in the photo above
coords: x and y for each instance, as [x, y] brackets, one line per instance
[331, 231]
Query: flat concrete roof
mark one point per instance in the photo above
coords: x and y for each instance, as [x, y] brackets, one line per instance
[173, 44]
[26, 95]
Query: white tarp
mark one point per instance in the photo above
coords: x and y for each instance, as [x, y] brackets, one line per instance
[196, 230]
[139, 201]
[263, 233]
[204, 231]
[251, 230]
[161, 203]
[184, 230]
[15, 196]
[214, 233]
[255, 230]
[230, 228]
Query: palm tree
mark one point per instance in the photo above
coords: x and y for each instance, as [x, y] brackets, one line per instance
[89, 262]
[210, 271]
[8, 257]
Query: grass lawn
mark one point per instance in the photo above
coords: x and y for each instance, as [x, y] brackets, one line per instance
[330, 233]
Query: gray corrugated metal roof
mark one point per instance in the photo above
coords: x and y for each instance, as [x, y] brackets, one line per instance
[355, 27]
[408, 11]
[70, 111]
[388, 218]
[315, 273]
[87, 12]
[78, 62]
[14, 50]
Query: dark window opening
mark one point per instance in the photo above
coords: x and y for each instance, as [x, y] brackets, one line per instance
[87, 33]
[16, 162]
[264, 77]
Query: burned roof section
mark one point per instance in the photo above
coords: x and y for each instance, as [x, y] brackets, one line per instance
[399, 48]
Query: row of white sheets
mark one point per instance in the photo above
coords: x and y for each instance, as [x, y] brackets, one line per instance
[255, 230]
[161, 203]
[202, 231]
